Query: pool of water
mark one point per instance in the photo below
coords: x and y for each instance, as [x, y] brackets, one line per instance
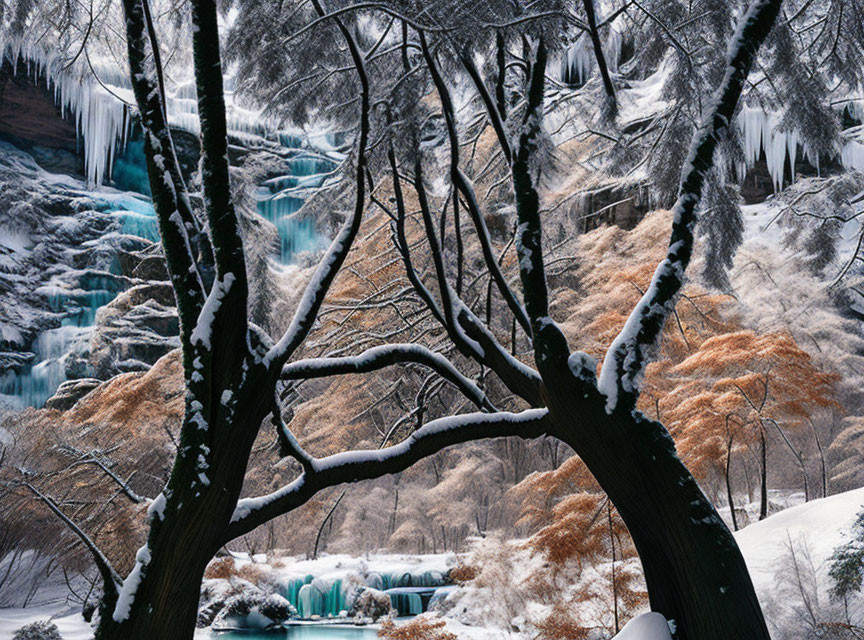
[304, 632]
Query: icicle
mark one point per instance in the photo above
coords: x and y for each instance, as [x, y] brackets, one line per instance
[760, 132]
[577, 61]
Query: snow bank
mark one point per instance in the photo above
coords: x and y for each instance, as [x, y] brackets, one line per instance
[69, 622]
[648, 626]
[825, 524]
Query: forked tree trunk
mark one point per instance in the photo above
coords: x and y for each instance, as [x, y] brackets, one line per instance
[197, 513]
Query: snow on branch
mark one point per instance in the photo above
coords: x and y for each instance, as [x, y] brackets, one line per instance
[176, 220]
[628, 356]
[384, 356]
[288, 443]
[548, 341]
[352, 466]
[518, 377]
[224, 228]
[463, 185]
[468, 333]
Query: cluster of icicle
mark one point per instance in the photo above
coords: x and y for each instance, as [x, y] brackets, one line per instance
[577, 60]
[101, 104]
[101, 119]
[761, 132]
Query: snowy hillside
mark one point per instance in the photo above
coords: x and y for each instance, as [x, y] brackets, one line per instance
[788, 556]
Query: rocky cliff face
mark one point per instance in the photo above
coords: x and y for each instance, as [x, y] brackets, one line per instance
[30, 118]
[65, 252]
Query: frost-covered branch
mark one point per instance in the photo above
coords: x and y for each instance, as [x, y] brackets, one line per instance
[176, 222]
[288, 444]
[365, 465]
[594, 33]
[227, 242]
[331, 263]
[463, 186]
[384, 356]
[628, 356]
[518, 377]
[549, 342]
[400, 240]
[110, 578]
[468, 333]
[495, 107]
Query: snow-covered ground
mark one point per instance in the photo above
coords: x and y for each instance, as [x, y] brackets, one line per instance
[813, 530]
[818, 526]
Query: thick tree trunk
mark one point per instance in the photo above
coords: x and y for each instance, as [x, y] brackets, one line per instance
[694, 570]
[166, 604]
[198, 506]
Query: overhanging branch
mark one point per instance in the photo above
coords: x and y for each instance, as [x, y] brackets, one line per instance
[366, 465]
[384, 356]
[110, 578]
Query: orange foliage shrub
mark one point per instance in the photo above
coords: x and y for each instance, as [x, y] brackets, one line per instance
[220, 568]
[422, 628]
[463, 573]
[226, 568]
[250, 573]
[737, 385]
[561, 624]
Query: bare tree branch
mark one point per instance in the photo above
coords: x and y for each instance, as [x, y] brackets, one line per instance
[384, 356]
[110, 578]
[628, 356]
[364, 465]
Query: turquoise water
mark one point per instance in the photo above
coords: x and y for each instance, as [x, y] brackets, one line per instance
[307, 632]
[410, 593]
[33, 384]
[130, 168]
[279, 199]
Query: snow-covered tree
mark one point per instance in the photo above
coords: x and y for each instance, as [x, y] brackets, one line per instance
[693, 569]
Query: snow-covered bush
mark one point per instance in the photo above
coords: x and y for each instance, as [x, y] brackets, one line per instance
[42, 630]
[372, 604]
[807, 604]
[239, 603]
[847, 565]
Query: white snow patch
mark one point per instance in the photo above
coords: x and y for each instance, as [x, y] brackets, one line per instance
[648, 626]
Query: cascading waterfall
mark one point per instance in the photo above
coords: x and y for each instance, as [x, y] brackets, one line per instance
[34, 383]
[281, 197]
[386, 581]
[409, 602]
[330, 597]
[319, 598]
[113, 150]
[410, 593]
